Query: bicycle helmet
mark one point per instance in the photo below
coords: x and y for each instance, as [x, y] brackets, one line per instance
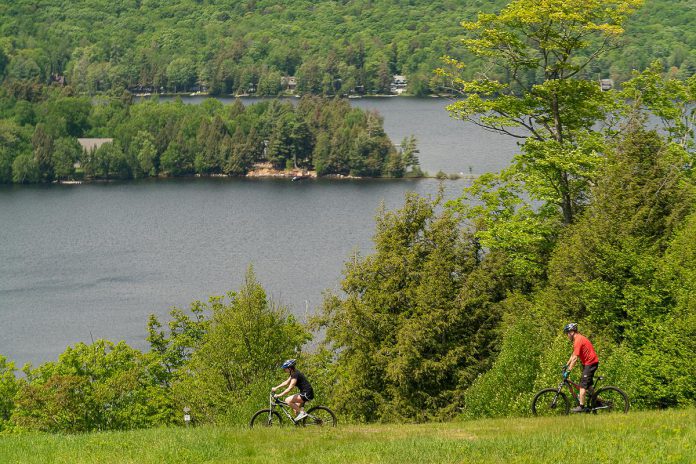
[288, 364]
[570, 327]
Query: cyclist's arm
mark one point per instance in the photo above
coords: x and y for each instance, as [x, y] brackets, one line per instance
[290, 387]
[571, 362]
[281, 385]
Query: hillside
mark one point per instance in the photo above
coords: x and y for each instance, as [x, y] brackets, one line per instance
[615, 439]
[232, 46]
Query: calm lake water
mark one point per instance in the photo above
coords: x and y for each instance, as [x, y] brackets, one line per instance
[94, 260]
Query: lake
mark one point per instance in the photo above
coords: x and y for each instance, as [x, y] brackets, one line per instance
[94, 260]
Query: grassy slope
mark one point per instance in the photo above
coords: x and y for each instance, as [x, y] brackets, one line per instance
[664, 436]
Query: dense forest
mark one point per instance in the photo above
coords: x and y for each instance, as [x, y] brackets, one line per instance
[243, 47]
[459, 310]
[40, 139]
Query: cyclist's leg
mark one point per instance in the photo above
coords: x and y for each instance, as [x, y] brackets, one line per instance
[295, 402]
[588, 373]
[304, 397]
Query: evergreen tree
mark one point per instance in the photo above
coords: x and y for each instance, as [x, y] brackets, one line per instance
[416, 324]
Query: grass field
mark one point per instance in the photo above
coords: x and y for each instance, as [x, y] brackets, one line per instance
[650, 437]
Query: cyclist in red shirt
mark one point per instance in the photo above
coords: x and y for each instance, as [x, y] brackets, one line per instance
[584, 351]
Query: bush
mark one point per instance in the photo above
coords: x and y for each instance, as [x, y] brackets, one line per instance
[103, 386]
[507, 388]
[8, 389]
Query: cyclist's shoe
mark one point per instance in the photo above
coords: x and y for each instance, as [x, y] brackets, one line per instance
[301, 416]
[578, 409]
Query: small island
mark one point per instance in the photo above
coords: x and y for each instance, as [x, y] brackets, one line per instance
[70, 139]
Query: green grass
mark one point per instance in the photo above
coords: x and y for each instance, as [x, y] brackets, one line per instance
[651, 437]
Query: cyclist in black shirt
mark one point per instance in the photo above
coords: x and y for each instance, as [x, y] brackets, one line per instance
[296, 379]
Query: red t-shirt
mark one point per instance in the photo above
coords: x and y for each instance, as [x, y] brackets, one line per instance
[583, 348]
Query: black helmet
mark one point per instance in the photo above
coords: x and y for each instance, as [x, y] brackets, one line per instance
[570, 327]
[288, 364]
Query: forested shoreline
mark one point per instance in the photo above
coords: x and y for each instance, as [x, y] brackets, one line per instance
[227, 47]
[459, 311]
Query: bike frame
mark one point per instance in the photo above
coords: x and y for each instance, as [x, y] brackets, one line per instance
[574, 389]
[283, 406]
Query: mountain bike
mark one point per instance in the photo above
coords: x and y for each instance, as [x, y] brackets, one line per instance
[604, 400]
[318, 416]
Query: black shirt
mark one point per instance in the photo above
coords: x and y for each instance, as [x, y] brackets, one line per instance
[301, 382]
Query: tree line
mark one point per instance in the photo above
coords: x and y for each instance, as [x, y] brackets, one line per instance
[39, 138]
[232, 47]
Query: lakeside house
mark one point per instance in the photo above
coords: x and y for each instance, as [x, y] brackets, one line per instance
[399, 84]
[606, 84]
[288, 82]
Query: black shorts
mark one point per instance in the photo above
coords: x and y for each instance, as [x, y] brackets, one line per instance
[587, 375]
[306, 396]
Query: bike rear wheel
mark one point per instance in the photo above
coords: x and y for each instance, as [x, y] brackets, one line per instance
[607, 400]
[320, 416]
[550, 402]
[265, 418]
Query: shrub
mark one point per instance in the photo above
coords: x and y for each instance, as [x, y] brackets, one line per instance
[506, 389]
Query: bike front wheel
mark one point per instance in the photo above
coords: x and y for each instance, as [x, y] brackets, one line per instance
[265, 418]
[608, 400]
[320, 416]
[550, 402]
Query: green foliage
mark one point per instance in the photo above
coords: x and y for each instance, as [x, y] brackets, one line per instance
[103, 386]
[229, 47]
[43, 151]
[605, 268]
[503, 223]
[330, 47]
[8, 389]
[66, 152]
[25, 169]
[537, 97]
[144, 151]
[505, 388]
[6, 160]
[107, 161]
[669, 99]
[415, 325]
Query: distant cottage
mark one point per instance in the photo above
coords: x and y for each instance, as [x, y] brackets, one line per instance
[399, 84]
[288, 82]
[606, 84]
